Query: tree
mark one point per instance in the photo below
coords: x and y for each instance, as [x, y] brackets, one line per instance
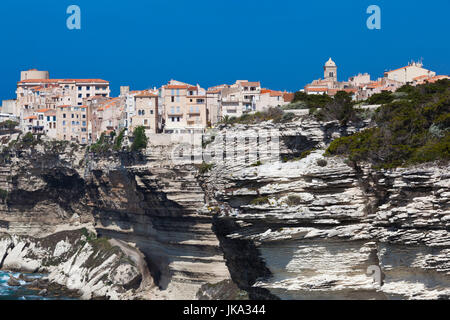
[140, 139]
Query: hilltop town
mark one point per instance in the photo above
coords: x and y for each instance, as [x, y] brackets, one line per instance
[80, 110]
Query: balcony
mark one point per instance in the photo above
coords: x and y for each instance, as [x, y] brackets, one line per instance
[175, 114]
[230, 99]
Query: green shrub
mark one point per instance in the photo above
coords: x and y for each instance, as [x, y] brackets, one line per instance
[119, 140]
[312, 100]
[140, 139]
[257, 164]
[102, 145]
[260, 201]
[3, 194]
[381, 98]
[205, 167]
[408, 131]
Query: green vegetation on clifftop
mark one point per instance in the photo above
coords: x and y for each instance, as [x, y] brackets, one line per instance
[411, 130]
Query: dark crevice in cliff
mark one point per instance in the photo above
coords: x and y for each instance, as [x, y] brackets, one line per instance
[243, 259]
[63, 187]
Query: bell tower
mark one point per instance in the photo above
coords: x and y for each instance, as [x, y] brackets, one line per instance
[330, 70]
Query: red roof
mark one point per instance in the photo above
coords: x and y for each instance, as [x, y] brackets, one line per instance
[64, 81]
[175, 86]
[251, 84]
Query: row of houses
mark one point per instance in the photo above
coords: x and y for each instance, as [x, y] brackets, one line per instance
[82, 109]
[362, 87]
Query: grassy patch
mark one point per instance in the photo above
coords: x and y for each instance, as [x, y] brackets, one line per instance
[205, 167]
[260, 201]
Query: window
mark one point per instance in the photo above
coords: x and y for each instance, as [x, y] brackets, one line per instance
[73, 115]
[64, 122]
[178, 119]
[48, 118]
[178, 109]
[173, 99]
[145, 122]
[64, 115]
[84, 116]
[172, 110]
[151, 111]
[80, 95]
[54, 118]
[178, 98]
[88, 88]
[79, 88]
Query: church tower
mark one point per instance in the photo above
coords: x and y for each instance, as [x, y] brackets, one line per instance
[330, 70]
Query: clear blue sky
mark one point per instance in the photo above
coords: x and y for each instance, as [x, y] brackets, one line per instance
[283, 43]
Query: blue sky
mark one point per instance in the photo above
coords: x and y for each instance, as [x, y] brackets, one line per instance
[283, 43]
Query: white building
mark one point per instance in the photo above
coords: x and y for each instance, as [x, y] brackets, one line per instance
[409, 73]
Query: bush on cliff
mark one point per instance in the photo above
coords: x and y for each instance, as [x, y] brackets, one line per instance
[408, 131]
[140, 139]
[312, 100]
[340, 108]
[381, 98]
[119, 140]
[102, 145]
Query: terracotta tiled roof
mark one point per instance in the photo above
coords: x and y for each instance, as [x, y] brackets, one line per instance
[43, 110]
[30, 117]
[145, 94]
[63, 81]
[251, 84]
[313, 89]
[174, 86]
[288, 97]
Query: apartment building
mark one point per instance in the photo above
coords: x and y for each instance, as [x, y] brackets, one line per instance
[72, 123]
[184, 108]
[78, 88]
[243, 96]
[409, 73]
[213, 105]
[43, 121]
[270, 98]
[146, 112]
[105, 115]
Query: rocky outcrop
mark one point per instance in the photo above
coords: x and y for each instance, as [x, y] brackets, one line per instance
[77, 260]
[313, 227]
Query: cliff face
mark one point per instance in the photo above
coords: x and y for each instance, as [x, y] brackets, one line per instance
[155, 210]
[310, 227]
[318, 226]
